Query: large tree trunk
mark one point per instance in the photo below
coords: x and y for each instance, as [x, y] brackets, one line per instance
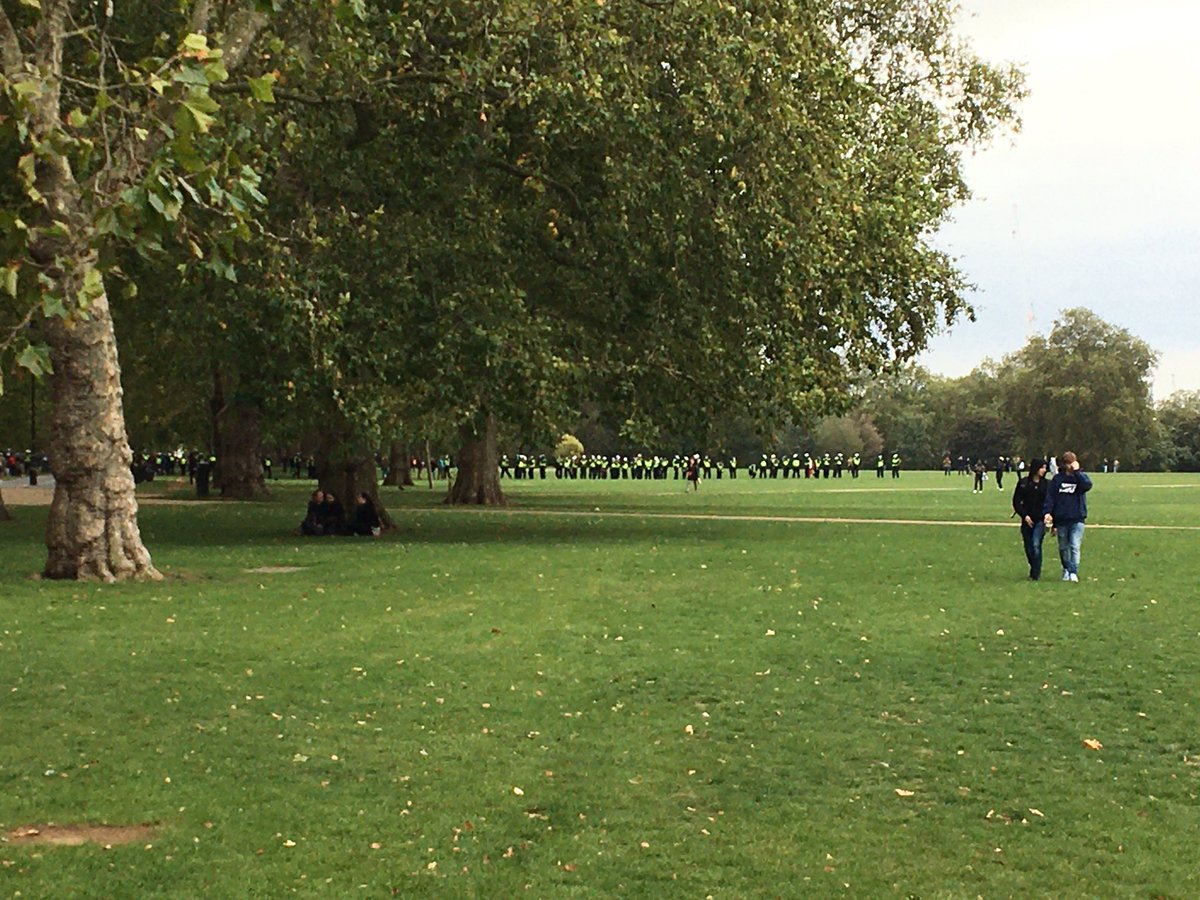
[5, 516]
[237, 440]
[347, 468]
[478, 478]
[399, 466]
[93, 531]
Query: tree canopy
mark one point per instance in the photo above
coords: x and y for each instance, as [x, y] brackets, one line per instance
[491, 209]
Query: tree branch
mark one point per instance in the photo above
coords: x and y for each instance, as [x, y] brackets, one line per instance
[10, 47]
[201, 13]
[244, 27]
[523, 174]
[134, 151]
[49, 43]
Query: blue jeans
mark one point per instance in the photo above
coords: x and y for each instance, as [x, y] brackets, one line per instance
[1033, 535]
[1070, 538]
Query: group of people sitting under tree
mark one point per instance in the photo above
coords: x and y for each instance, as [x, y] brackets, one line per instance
[325, 515]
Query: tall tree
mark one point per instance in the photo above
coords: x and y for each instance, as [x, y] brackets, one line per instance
[1085, 387]
[670, 207]
[109, 108]
[1179, 416]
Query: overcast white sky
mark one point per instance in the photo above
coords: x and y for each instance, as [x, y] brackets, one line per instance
[1096, 202]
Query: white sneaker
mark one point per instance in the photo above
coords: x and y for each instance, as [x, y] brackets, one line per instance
[1066, 575]
[1074, 577]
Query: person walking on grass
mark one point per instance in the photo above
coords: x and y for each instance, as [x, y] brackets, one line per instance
[1066, 511]
[1028, 502]
[980, 471]
[693, 472]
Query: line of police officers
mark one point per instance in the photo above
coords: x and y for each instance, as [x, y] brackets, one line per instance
[655, 467]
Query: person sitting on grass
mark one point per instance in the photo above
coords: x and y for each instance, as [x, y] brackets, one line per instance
[332, 515]
[366, 517]
[312, 525]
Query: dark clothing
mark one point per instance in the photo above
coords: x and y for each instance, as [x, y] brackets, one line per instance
[1032, 537]
[366, 519]
[312, 525]
[332, 516]
[1029, 498]
[1066, 498]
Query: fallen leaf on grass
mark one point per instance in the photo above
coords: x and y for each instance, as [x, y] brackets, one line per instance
[1092, 744]
[1037, 812]
[901, 792]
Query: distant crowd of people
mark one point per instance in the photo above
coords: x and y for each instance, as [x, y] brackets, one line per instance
[658, 467]
[17, 464]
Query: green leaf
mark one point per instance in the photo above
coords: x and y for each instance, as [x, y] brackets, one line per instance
[10, 280]
[36, 4]
[215, 71]
[53, 306]
[196, 43]
[202, 119]
[92, 288]
[192, 76]
[36, 358]
[262, 88]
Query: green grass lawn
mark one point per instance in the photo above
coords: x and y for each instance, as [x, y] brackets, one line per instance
[680, 700]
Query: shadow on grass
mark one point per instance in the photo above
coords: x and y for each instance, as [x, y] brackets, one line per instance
[421, 519]
[273, 524]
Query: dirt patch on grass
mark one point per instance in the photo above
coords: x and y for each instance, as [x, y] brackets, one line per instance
[24, 495]
[75, 835]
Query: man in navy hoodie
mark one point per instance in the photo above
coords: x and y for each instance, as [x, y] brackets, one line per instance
[1066, 510]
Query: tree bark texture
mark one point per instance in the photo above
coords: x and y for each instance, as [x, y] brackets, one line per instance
[478, 479]
[399, 466]
[237, 441]
[92, 533]
[5, 515]
[348, 470]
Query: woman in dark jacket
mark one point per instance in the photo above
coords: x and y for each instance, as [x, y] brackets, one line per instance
[1028, 500]
[366, 517]
[312, 525]
[333, 514]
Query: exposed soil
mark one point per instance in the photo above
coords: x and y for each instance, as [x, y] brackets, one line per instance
[24, 495]
[75, 835]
